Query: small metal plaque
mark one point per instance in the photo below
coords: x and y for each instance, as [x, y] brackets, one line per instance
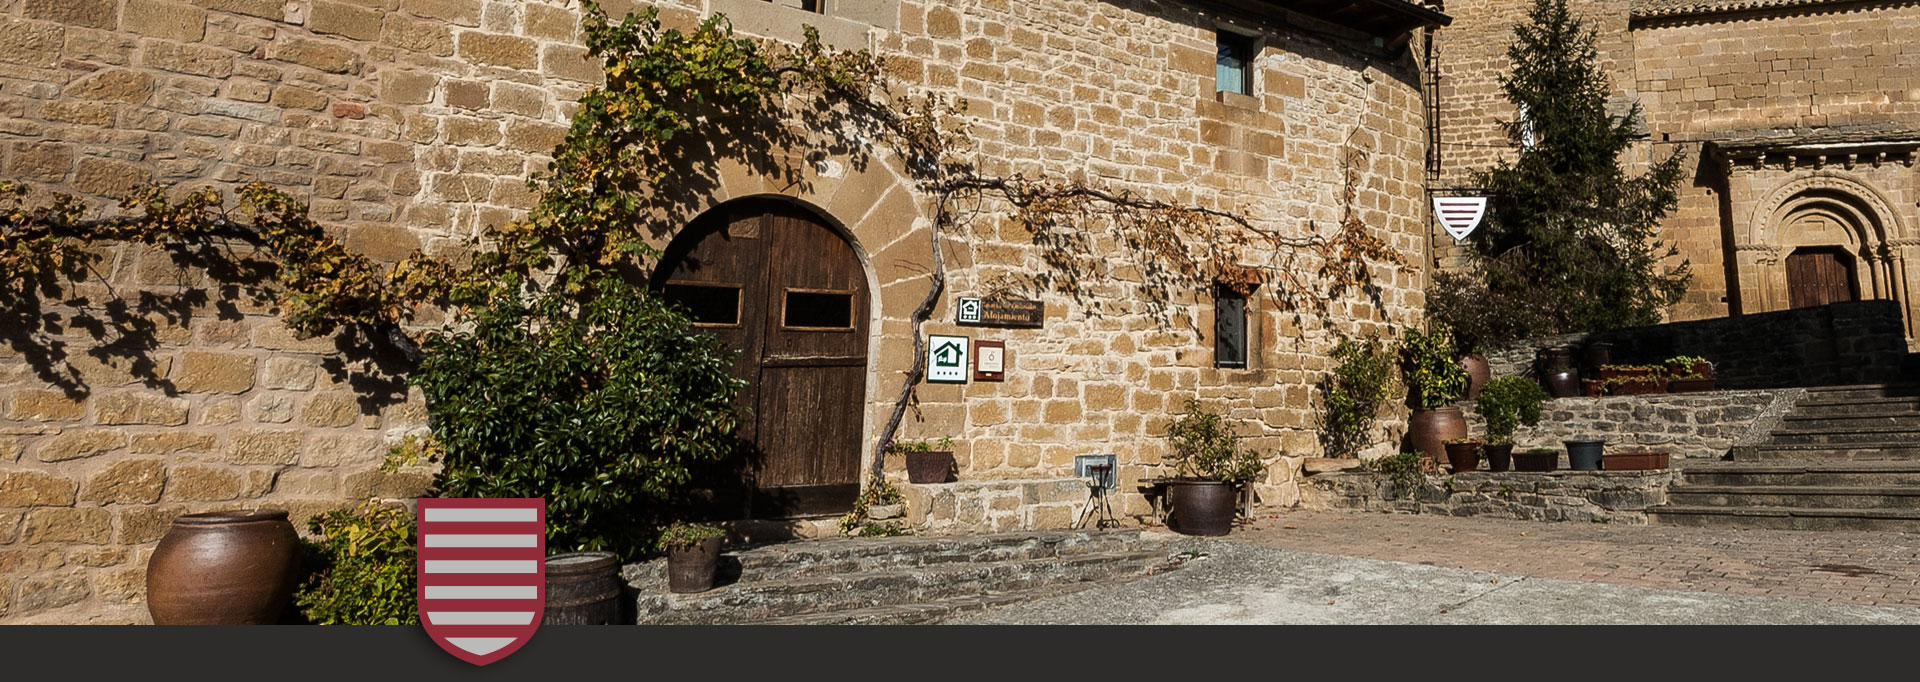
[989, 360]
[1017, 313]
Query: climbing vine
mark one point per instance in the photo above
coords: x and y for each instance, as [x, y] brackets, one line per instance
[639, 154]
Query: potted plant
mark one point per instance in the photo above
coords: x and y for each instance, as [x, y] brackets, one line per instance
[693, 555]
[1536, 459]
[1209, 468]
[878, 512]
[1689, 374]
[927, 461]
[1434, 381]
[1632, 379]
[1584, 455]
[1463, 454]
[1506, 403]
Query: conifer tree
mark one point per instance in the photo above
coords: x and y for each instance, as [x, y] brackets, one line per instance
[1570, 238]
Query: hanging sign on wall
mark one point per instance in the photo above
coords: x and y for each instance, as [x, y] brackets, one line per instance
[1002, 312]
[947, 359]
[1460, 215]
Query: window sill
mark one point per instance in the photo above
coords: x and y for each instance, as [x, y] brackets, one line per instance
[1237, 100]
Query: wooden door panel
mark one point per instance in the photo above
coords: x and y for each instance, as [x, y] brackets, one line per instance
[1819, 277]
[805, 428]
[810, 269]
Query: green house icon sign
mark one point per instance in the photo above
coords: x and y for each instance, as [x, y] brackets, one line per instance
[947, 354]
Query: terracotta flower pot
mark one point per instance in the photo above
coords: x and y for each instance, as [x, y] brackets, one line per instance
[1464, 457]
[929, 467]
[1478, 374]
[1429, 430]
[223, 568]
[1634, 461]
[1689, 385]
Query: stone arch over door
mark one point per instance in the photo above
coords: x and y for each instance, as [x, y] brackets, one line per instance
[882, 218]
[1823, 211]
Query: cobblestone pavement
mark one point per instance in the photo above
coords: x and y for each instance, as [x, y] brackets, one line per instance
[1849, 567]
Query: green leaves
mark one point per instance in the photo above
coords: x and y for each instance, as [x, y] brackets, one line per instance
[1431, 367]
[603, 402]
[363, 568]
[1508, 402]
[1203, 446]
[1360, 383]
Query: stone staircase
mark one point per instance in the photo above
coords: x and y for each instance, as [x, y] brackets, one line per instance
[896, 580]
[1844, 458]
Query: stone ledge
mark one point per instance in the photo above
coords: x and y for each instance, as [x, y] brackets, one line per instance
[994, 506]
[1596, 496]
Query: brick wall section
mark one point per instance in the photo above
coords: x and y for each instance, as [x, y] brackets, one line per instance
[1591, 496]
[410, 124]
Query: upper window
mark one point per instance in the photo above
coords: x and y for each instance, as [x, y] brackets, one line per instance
[815, 6]
[1229, 327]
[1233, 63]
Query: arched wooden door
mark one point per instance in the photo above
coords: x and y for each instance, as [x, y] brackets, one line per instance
[1819, 276]
[788, 291]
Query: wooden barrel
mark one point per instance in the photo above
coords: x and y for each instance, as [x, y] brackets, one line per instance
[583, 588]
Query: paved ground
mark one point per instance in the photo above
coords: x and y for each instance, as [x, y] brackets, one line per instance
[1364, 568]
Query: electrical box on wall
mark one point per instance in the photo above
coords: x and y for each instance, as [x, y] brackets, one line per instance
[1101, 468]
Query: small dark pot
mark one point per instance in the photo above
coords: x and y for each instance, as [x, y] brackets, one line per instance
[1634, 461]
[1555, 358]
[1532, 461]
[1478, 374]
[929, 467]
[691, 569]
[223, 568]
[1499, 456]
[1429, 431]
[1598, 353]
[1592, 387]
[1202, 507]
[1584, 455]
[583, 588]
[1464, 457]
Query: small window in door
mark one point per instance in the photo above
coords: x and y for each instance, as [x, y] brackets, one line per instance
[708, 305]
[818, 309]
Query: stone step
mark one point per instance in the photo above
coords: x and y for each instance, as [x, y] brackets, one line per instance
[929, 612]
[865, 555]
[1864, 391]
[1808, 496]
[1809, 407]
[1788, 518]
[1835, 474]
[1827, 452]
[1861, 420]
[1863, 435]
[760, 601]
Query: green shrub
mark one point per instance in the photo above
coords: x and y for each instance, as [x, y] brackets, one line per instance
[1203, 447]
[1406, 470]
[362, 568]
[1361, 381]
[682, 535]
[1431, 366]
[604, 403]
[1508, 402]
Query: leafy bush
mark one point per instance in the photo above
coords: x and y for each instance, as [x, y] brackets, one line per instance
[1508, 402]
[1360, 383]
[943, 444]
[1483, 318]
[602, 403]
[362, 568]
[1203, 447]
[1406, 470]
[1431, 367]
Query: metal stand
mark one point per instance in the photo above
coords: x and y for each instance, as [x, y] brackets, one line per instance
[1097, 499]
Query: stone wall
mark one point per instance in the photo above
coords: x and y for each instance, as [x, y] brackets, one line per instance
[995, 506]
[1594, 496]
[1684, 425]
[412, 124]
[1843, 343]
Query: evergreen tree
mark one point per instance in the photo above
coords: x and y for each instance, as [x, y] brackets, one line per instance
[1569, 235]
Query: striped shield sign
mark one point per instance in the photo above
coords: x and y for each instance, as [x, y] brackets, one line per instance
[1459, 215]
[482, 574]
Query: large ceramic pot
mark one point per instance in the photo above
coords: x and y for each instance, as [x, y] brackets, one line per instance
[1429, 431]
[1557, 374]
[223, 568]
[1202, 507]
[1598, 353]
[929, 467]
[1584, 455]
[1478, 374]
[691, 569]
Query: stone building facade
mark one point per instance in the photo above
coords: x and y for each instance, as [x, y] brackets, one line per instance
[410, 124]
[1799, 120]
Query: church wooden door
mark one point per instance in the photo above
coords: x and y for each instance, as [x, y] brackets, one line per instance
[1819, 276]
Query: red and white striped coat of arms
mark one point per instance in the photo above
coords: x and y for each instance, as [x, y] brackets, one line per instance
[482, 574]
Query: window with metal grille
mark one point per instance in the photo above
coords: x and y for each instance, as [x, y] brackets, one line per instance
[1229, 327]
